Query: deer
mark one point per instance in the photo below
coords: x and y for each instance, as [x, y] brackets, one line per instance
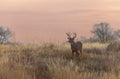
[76, 47]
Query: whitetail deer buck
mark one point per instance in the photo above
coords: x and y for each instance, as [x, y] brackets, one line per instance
[76, 47]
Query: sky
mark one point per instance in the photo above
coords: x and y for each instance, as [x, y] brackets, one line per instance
[49, 20]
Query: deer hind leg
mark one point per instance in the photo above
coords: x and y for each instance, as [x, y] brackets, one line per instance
[81, 51]
[77, 53]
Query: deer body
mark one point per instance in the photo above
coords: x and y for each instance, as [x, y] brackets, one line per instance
[76, 47]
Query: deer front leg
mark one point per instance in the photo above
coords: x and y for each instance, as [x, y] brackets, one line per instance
[72, 53]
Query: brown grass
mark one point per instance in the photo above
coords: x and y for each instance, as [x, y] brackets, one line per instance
[114, 46]
[55, 61]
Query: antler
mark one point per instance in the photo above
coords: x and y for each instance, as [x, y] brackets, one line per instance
[74, 35]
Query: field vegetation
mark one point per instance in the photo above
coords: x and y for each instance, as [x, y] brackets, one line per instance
[55, 61]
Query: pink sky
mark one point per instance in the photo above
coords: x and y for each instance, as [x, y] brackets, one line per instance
[49, 20]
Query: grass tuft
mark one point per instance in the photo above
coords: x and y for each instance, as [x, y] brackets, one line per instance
[55, 61]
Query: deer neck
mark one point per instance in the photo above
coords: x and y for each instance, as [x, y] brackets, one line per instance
[72, 43]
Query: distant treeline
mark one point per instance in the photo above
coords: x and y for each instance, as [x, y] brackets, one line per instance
[102, 32]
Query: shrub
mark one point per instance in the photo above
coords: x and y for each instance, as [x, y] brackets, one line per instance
[114, 46]
[93, 50]
[38, 70]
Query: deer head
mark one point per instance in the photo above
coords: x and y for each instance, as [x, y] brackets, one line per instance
[70, 38]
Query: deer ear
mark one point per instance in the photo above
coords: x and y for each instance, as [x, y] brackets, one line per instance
[68, 34]
[68, 38]
[74, 36]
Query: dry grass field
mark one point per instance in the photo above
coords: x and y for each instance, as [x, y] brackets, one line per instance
[55, 61]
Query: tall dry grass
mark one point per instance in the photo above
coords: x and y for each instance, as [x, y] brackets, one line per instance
[55, 61]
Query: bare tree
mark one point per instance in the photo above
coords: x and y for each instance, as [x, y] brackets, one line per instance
[117, 34]
[102, 32]
[5, 34]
